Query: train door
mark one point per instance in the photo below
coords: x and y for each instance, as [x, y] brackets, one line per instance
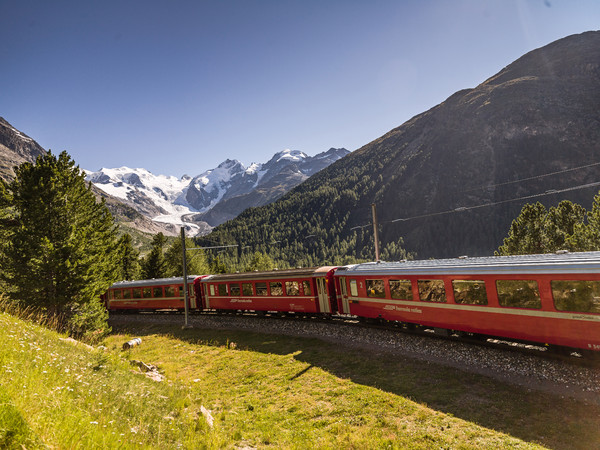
[191, 296]
[207, 296]
[344, 292]
[324, 306]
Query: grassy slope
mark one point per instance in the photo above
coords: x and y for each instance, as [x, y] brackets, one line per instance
[263, 390]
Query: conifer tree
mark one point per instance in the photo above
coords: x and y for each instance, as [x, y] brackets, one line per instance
[537, 230]
[153, 265]
[59, 247]
[127, 259]
[196, 260]
[260, 262]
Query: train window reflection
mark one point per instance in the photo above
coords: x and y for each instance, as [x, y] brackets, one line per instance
[353, 288]
[247, 289]
[306, 287]
[519, 294]
[292, 288]
[118, 294]
[261, 288]
[147, 292]
[375, 288]
[469, 292]
[137, 292]
[401, 289]
[169, 291]
[576, 295]
[126, 293]
[157, 291]
[222, 289]
[111, 295]
[276, 288]
[234, 289]
[432, 291]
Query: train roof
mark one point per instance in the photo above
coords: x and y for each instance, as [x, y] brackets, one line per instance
[581, 262]
[272, 274]
[153, 282]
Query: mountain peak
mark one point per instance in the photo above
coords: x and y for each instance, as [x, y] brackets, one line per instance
[292, 155]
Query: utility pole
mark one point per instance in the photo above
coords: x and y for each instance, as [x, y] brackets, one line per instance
[375, 233]
[185, 283]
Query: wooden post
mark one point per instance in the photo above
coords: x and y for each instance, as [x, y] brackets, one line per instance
[375, 233]
[185, 280]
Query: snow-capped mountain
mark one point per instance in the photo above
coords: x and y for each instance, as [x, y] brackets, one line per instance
[214, 196]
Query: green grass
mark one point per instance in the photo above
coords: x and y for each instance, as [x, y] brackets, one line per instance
[263, 391]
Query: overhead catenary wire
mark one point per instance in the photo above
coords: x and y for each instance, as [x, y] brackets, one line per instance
[484, 205]
[535, 177]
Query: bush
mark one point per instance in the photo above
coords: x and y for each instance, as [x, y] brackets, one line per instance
[88, 321]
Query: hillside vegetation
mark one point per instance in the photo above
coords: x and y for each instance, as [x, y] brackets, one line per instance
[233, 389]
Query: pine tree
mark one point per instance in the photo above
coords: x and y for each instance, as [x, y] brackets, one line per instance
[196, 260]
[260, 262]
[153, 265]
[562, 223]
[537, 230]
[59, 247]
[526, 235]
[587, 237]
[127, 259]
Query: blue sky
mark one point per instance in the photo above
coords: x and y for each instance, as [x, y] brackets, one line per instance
[178, 86]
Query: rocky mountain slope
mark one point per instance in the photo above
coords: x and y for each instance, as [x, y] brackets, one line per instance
[450, 180]
[15, 149]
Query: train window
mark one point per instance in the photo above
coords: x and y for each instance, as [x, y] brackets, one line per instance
[353, 288]
[306, 287]
[212, 289]
[126, 293]
[401, 289]
[577, 296]
[432, 291]
[111, 295]
[180, 292]
[137, 292]
[469, 292]
[147, 292]
[292, 288]
[276, 288]
[375, 288]
[247, 289]
[519, 294]
[191, 292]
[261, 289]
[157, 291]
[222, 289]
[234, 289]
[169, 291]
[118, 294]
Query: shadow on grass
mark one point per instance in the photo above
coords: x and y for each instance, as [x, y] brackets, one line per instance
[14, 429]
[530, 415]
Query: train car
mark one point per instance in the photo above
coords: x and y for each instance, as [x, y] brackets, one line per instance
[155, 294]
[549, 299]
[307, 291]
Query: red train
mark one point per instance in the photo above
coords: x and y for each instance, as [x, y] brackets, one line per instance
[551, 299]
